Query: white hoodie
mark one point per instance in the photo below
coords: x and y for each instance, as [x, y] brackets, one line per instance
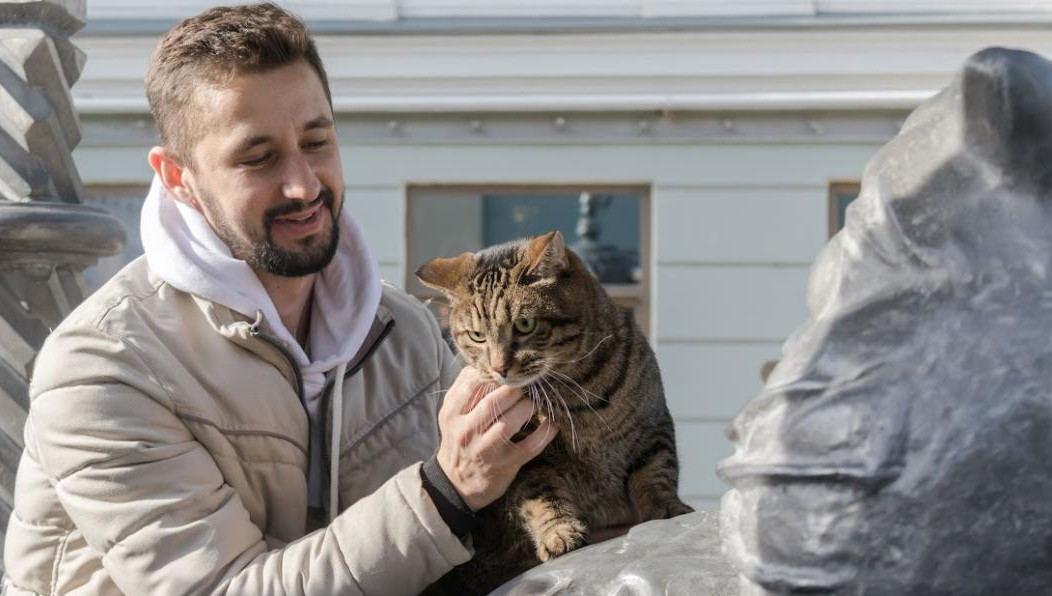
[182, 249]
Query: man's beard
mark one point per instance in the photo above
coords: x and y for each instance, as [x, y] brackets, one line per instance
[265, 255]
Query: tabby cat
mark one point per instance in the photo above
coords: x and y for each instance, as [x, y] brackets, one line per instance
[529, 314]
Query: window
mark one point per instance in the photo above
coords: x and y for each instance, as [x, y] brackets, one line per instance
[607, 226]
[841, 194]
[124, 203]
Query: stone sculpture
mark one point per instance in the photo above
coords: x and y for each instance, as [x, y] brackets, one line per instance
[609, 263]
[901, 445]
[672, 557]
[46, 236]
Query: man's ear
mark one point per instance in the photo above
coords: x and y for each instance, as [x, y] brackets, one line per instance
[446, 274]
[174, 176]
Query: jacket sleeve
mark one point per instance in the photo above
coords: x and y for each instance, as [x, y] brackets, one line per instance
[151, 500]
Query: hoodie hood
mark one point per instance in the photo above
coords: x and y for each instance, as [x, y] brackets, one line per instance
[182, 249]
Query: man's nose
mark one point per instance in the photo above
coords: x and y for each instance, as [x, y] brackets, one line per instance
[300, 181]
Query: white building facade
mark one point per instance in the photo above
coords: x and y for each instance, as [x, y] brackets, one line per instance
[736, 127]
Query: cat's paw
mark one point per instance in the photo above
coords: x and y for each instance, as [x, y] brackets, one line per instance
[667, 509]
[677, 508]
[563, 537]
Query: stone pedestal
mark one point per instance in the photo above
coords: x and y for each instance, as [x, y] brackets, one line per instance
[46, 236]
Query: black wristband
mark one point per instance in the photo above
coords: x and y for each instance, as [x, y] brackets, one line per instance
[454, 511]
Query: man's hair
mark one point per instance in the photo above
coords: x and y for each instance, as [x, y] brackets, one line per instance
[210, 49]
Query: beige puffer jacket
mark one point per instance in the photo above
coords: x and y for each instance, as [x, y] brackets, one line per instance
[167, 450]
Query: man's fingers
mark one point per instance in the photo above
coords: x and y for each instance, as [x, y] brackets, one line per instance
[464, 392]
[535, 442]
[478, 393]
[492, 405]
[509, 423]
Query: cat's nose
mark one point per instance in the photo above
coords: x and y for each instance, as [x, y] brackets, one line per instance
[500, 369]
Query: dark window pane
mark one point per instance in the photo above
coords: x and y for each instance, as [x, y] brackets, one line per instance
[448, 223]
[840, 196]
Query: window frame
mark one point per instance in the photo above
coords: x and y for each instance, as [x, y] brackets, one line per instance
[639, 296]
[838, 188]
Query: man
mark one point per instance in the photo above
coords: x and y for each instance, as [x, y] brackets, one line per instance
[245, 409]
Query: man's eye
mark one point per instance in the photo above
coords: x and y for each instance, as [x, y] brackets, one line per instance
[257, 161]
[315, 145]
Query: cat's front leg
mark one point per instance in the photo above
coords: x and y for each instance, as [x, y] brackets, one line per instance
[653, 483]
[549, 514]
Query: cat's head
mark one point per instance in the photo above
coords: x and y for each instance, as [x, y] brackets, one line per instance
[517, 310]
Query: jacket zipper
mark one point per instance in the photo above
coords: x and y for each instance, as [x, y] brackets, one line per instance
[323, 410]
[255, 332]
[300, 391]
[372, 349]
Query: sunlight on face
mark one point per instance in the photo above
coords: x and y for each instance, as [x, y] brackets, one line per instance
[267, 169]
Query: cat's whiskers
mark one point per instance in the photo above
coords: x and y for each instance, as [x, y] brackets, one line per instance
[540, 400]
[547, 401]
[551, 407]
[569, 416]
[567, 378]
[533, 390]
[589, 353]
[585, 401]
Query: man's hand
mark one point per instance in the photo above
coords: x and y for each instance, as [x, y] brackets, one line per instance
[476, 451]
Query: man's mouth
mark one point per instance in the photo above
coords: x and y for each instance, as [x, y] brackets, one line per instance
[301, 223]
[301, 216]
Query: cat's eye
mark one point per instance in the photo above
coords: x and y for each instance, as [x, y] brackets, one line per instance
[476, 336]
[525, 326]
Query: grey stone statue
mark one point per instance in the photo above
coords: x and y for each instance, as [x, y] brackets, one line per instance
[671, 557]
[903, 445]
[46, 236]
[609, 263]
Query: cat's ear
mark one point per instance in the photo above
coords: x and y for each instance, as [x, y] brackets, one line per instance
[547, 255]
[446, 274]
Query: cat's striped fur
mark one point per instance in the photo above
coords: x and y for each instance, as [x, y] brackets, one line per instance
[586, 365]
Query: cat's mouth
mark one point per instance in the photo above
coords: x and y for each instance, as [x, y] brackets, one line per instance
[516, 381]
[519, 378]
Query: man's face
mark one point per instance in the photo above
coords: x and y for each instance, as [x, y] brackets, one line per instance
[267, 170]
